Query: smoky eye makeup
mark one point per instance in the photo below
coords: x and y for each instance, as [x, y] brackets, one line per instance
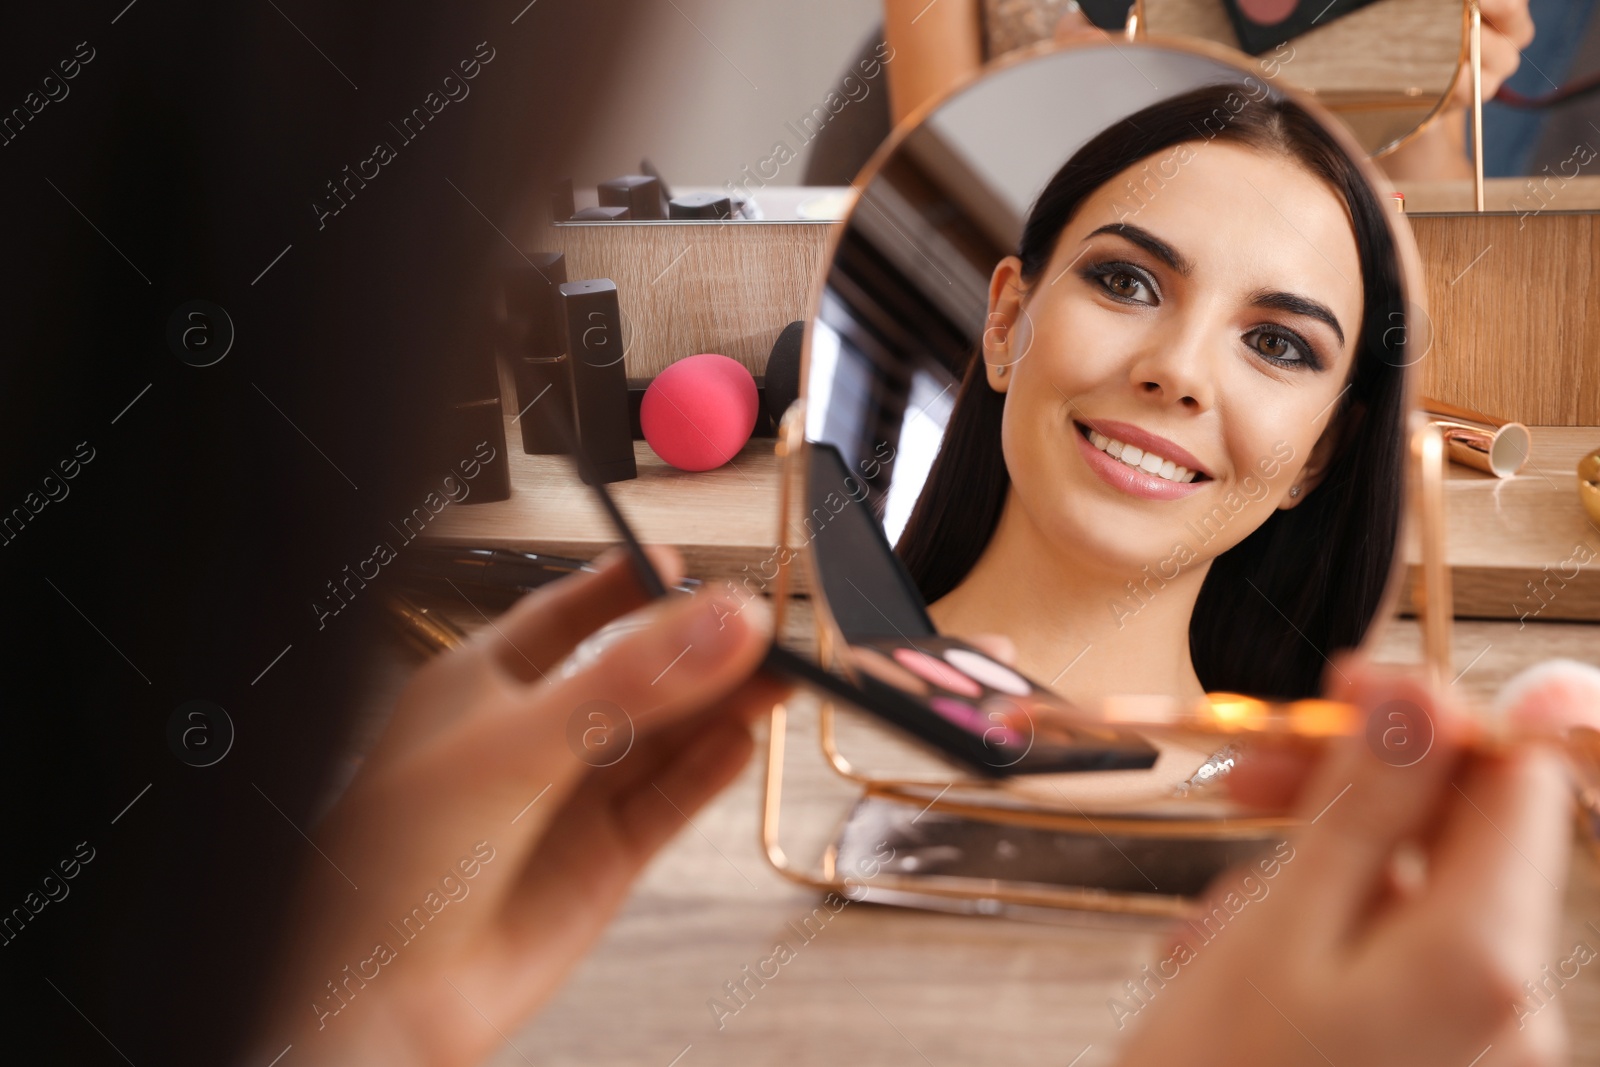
[1110, 276]
[1121, 280]
[1302, 353]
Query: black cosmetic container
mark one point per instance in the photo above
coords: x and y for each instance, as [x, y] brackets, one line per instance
[537, 351]
[599, 379]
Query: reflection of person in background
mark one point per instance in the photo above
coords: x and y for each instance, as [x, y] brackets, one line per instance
[1521, 141]
[1182, 444]
[938, 45]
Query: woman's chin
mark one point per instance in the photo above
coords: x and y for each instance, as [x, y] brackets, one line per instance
[1122, 547]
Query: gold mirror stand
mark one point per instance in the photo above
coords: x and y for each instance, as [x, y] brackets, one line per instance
[1431, 592]
[1474, 19]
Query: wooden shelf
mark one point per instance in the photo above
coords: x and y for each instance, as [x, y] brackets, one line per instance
[1506, 533]
[723, 521]
[1503, 534]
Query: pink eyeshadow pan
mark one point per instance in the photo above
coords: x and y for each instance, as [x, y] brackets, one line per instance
[990, 728]
[1268, 12]
[963, 715]
[936, 671]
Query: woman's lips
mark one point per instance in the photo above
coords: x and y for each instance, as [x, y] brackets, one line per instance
[1146, 441]
[1133, 480]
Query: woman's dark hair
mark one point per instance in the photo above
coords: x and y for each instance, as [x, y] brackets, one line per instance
[1309, 580]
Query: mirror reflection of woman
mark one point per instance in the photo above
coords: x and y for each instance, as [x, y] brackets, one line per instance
[1177, 465]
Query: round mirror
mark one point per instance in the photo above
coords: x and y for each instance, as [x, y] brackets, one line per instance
[1107, 383]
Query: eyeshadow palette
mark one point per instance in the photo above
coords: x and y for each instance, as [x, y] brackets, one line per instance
[1265, 24]
[970, 705]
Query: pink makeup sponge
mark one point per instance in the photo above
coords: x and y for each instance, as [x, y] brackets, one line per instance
[699, 412]
[1554, 695]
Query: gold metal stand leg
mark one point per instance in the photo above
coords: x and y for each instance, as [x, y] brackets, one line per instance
[1475, 37]
[1432, 595]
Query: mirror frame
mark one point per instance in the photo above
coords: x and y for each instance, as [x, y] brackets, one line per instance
[975, 797]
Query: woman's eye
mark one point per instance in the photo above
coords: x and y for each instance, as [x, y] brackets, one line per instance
[1279, 348]
[1124, 284]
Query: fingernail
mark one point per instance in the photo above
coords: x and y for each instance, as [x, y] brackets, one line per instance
[758, 615]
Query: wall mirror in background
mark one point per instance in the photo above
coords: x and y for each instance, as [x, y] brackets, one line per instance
[1384, 67]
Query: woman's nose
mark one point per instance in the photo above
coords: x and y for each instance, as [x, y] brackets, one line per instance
[1176, 368]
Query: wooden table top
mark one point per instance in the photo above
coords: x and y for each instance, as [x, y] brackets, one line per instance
[879, 985]
[721, 520]
[887, 985]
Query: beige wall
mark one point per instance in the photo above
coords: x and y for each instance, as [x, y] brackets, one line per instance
[707, 85]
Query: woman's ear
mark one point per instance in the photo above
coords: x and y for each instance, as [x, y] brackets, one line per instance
[1007, 332]
[1340, 434]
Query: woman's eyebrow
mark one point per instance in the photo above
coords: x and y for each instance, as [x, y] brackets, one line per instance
[1296, 305]
[1266, 298]
[1150, 243]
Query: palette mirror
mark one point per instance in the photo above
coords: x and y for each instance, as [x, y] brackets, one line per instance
[1106, 396]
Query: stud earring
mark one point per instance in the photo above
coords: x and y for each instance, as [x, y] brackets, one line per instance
[1001, 371]
[1294, 491]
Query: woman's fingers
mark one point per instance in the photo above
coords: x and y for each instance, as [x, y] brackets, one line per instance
[1502, 851]
[1271, 772]
[652, 812]
[1371, 794]
[1507, 30]
[691, 653]
[614, 822]
[1501, 58]
[1510, 19]
[694, 652]
[656, 745]
[1487, 917]
[543, 627]
[543, 745]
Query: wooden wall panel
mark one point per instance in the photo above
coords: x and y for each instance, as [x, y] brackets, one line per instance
[1515, 309]
[699, 287]
[1514, 301]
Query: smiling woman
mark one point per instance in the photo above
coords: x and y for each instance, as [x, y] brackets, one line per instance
[1191, 412]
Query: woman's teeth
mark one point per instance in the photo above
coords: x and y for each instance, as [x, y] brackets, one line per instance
[1148, 462]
